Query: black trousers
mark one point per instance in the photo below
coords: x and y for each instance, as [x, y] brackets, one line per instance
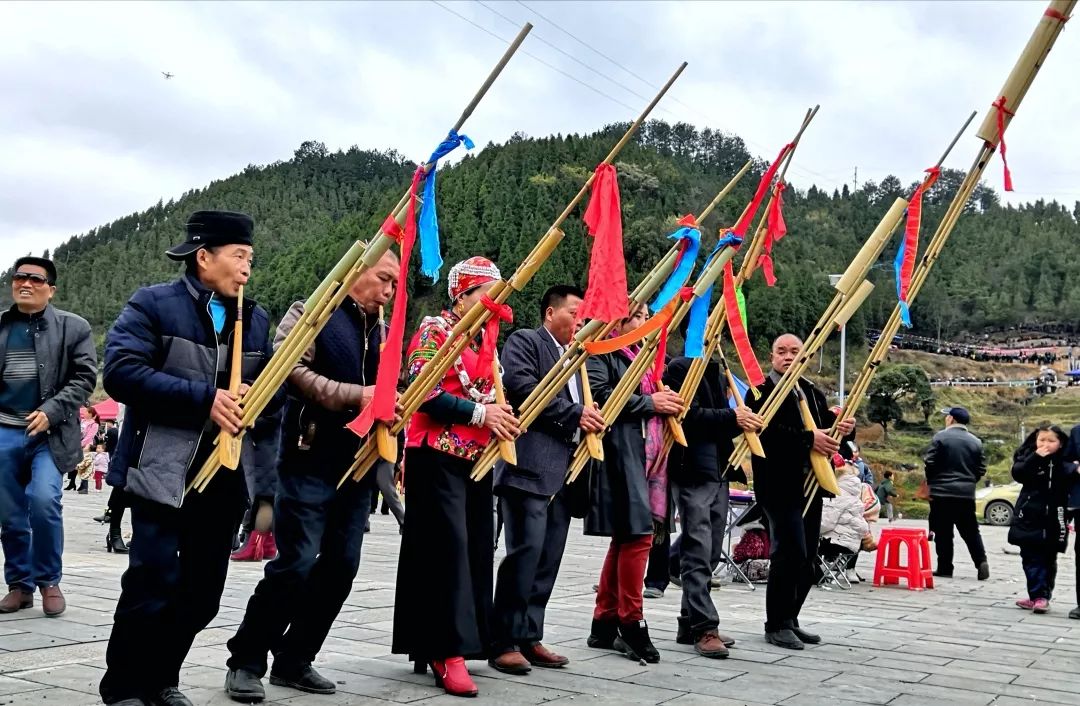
[172, 588]
[658, 573]
[535, 539]
[1076, 524]
[794, 541]
[319, 532]
[449, 537]
[946, 513]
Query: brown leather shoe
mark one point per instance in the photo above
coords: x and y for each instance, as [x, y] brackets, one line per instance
[540, 656]
[52, 601]
[728, 641]
[710, 645]
[510, 663]
[16, 599]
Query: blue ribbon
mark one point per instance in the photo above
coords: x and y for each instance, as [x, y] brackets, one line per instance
[741, 386]
[898, 264]
[686, 265]
[430, 253]
[699, 308]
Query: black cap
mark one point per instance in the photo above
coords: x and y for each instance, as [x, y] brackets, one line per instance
[961, 415]
[41, 262]
[207, 229]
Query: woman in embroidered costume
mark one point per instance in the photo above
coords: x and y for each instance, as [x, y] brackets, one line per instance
[449, 532]
[628, 497]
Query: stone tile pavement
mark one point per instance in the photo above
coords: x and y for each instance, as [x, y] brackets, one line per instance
[962, 643]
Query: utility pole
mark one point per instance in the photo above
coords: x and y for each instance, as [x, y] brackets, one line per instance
[855, 180]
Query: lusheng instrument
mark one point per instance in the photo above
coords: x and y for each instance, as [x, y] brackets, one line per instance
[331, 292]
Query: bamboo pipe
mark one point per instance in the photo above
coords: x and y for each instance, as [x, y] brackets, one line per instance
[853, 276]
[821, 466]
[592, 441]
[475, 317]
[753, 439]
[717, 317]
[228, 443]
[507, 450]
[335, 286]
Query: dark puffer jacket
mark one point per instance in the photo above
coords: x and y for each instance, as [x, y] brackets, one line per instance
[1039, 520]
[164, 362]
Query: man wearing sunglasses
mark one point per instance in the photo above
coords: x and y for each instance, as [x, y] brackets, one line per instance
[48, 368]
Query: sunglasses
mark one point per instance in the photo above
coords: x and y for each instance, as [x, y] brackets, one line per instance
[32, 277]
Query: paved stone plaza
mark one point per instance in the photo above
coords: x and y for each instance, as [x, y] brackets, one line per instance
[963, 642]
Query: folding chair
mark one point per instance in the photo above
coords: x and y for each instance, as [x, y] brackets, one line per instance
[741, 510]
[832, 565]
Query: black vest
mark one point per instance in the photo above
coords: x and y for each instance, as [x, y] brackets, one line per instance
[345, 351]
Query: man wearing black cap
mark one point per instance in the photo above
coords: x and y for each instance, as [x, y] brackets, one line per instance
[48, 368]
[168, 358]
[954, 464]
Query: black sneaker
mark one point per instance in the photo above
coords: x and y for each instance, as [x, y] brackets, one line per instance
[784, 638]
[1075, 613]
[984, 571]
[305, 679]
[603, 634]
[633, 641]
[943, 574]
[243, 686]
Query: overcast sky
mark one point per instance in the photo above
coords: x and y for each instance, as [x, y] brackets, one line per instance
[90, 130]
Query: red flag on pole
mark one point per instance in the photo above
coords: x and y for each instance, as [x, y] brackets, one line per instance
[605, 298]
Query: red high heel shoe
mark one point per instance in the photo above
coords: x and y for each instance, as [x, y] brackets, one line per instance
[453, 676]
[269, 546]
[252, 550]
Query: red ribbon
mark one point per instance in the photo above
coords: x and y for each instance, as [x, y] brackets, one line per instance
[745, 351]
[759, 195]
[775, 229]
[384, 403]
[499, 313]
[911, 231]
[1001, 111]
[688, 220]
[391, 229]
[605, 298]
[1056, 14]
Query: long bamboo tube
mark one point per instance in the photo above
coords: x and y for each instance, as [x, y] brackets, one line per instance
[717, 317]
[848, 285]
[592, 441]
[229, 444]
[1016, 87]
[471, 323]
[507, 450]
[575, 355]
[328, 296]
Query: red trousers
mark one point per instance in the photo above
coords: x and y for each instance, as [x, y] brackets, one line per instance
[622, 579]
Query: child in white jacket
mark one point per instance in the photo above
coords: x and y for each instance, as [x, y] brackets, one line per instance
[842, 518]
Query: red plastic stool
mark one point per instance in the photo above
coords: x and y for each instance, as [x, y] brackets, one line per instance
[888, 570]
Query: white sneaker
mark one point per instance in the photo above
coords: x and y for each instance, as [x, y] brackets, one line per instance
[852, 577]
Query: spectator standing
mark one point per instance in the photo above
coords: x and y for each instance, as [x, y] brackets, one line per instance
[954, 464]
[886, 491]
[49, 368]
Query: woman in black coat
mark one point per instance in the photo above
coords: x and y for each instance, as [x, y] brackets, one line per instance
[1039, 525]
[620, 502]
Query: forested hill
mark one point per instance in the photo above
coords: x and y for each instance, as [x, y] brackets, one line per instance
[1003, 265]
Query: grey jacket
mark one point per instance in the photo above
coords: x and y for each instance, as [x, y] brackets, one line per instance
[544, 450]
[954, 463]
[67, 374]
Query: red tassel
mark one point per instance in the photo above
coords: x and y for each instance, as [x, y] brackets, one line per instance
[661, 357]
[605, 298]
[745, 351]
[384, 403]
[1001, 111]
[499, 313]
[759, 195]
[775, 229]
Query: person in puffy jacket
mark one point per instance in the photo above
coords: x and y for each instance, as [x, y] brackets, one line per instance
[1039, 527]
[842, 518]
